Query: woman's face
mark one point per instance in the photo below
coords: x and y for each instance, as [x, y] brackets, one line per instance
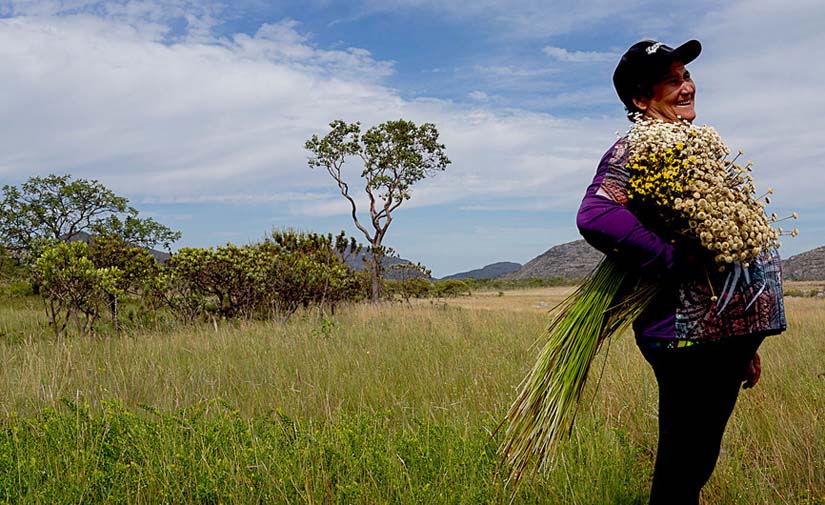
[673, 96]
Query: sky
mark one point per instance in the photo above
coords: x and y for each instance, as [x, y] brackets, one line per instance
[198, 111]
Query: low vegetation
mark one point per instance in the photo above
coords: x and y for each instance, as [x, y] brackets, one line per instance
[391, 403]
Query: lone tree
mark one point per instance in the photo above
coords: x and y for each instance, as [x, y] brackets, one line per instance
[395, 155]
[55, 208]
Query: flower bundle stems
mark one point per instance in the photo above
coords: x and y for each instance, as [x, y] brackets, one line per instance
[544, 411]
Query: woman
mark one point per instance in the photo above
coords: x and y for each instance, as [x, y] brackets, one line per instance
[700, 355]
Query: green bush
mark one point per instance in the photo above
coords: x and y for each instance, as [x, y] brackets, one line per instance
[73, 287]
[19, 288]
[270, 279]
[412, 287]
[14, 276]
[451, 288]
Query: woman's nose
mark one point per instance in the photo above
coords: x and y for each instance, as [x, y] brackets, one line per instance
[688, 87]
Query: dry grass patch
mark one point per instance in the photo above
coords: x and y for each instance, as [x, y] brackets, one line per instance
[536, 300]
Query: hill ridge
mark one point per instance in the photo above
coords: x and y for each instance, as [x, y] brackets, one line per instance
[491, 271]
[805, 266]
[571, 260]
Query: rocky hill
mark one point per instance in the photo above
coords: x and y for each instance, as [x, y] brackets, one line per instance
[491, 271]
[573, 260]
[807, 266]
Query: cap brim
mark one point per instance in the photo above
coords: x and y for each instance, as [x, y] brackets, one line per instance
[687, 52]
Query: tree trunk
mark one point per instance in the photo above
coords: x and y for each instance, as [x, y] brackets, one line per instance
[376, 273]
[113, 309]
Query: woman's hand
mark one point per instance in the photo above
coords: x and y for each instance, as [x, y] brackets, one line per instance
[753, 372]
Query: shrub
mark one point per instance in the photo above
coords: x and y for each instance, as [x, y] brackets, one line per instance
[451, 288]
[73, 287]
[273, 278]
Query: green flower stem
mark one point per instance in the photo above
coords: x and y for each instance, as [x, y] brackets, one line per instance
[544, 411]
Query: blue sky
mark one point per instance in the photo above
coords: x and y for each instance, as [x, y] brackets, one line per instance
[198, 111]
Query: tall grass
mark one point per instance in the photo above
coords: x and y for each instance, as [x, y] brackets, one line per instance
[118, 455]
[421, 362]
[388, 404]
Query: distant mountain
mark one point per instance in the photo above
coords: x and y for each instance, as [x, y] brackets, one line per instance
[807, 266]
[491, 271]
[573, 260]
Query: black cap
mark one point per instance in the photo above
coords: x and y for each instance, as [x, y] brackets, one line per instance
[645, 63]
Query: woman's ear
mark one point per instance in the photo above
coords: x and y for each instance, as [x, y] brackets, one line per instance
[641, 103]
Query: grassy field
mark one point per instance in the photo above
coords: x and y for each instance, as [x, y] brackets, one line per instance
[388, 404]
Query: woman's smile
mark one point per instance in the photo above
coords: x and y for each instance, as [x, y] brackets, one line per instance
[673, 96]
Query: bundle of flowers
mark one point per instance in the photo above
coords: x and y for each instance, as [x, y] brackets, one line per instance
[682, 184]
[680, 175]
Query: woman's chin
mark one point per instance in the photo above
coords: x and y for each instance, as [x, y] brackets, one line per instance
[688, 114]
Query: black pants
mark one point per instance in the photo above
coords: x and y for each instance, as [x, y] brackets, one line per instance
[698, 388]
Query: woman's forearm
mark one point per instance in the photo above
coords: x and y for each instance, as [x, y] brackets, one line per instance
[611, 228]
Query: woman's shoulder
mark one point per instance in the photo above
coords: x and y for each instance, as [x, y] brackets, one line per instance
[618, 152]
[614, 162]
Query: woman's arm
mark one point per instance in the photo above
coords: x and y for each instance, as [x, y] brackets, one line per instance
[606, 223]
[611, 228]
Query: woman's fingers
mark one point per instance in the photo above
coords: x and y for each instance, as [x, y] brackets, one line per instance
[753, 372]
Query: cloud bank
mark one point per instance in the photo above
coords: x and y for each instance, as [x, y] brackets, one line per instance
[207, 119]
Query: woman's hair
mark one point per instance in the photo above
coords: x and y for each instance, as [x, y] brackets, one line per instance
[640, 90]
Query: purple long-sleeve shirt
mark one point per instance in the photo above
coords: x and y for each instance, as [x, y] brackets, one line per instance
[606, 223]
[686, 308]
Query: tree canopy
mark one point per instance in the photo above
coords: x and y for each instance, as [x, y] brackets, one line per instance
[56, 207]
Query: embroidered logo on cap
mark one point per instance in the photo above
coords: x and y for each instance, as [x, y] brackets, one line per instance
[655, 47]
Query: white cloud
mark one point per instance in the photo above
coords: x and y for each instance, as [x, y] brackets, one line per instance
[193, 121]
[479, 96]
[763, 93]
[250, 197]
[563, 54]
[193, 19]
[100, 98]
[506, 72]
